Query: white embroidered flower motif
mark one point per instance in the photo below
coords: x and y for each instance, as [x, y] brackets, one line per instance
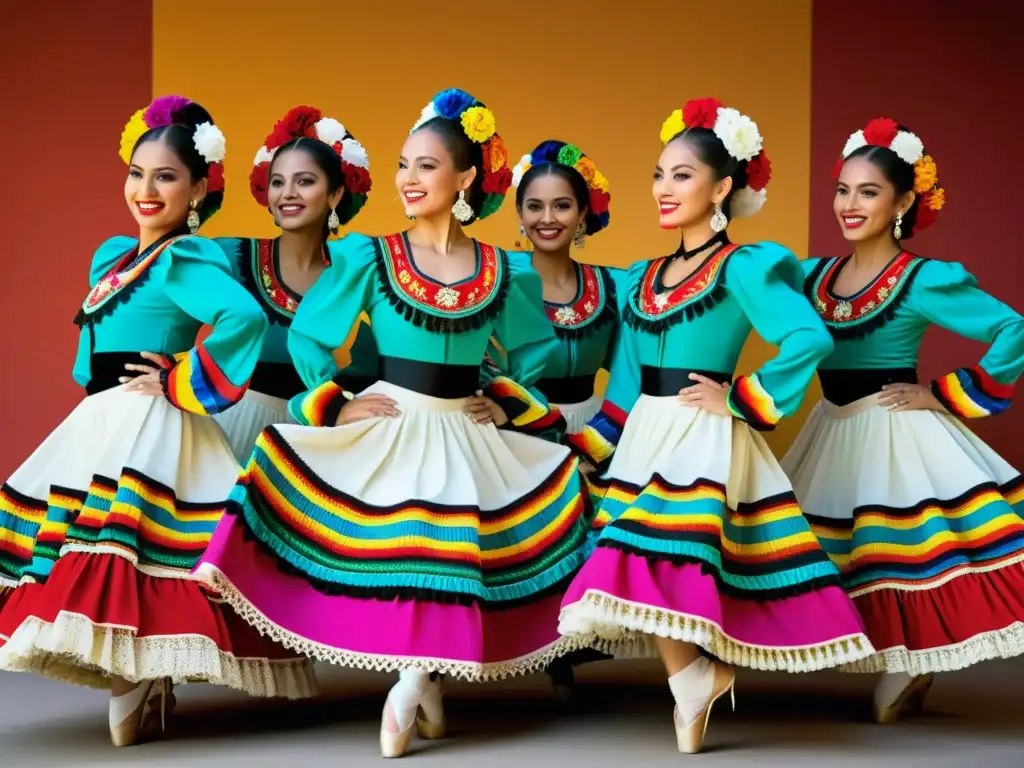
[855, 142]
[738, 133]
[264, 155]
[429, 113]
[843, 310]
[908, 147]
[446, 297]
[353, 153]
[567, 316]
[330, 131]
[520, 170]
[747, 202]
[210, 143]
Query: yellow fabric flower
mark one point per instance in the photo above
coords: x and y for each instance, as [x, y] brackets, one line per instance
[673, 125]
[600, 182]
[132, 133]
[936, 199]
[587, 169]
[925, 174]
[478, 123]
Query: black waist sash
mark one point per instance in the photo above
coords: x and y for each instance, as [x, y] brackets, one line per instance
[568, 391]
[842, 386]
[666, 382]
[449, 382]
[108, 367]
[277, 380]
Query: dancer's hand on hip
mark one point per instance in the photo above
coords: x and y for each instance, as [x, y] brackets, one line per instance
[148, 381]
[367, 407]
[706, 394]
[483, 410]
[909, 397]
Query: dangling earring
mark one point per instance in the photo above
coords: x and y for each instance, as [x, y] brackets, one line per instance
[579, 239]
[522, 231]
[410, 217]
[718, 220]
[462, 210]
[333, 222]
[897, 231]
[193, 216]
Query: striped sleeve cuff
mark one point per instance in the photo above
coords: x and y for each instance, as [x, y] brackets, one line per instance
[750, 402]
[525, 412]
[971, 393]
[195, 384]
[597, 442]
[319, 406]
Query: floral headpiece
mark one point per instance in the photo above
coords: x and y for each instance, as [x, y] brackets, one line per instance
[309, 122]
[571, 156]
[739, 134]
[884, 132]
[477, 122]
[171, 110]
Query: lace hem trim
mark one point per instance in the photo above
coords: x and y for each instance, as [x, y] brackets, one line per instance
[623, 627]
[76, 650]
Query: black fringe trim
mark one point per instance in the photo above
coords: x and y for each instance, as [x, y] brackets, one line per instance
[779, 593]
[433, 323]
[389, 594]
[247, 256]
[688, 312]
[609, 313]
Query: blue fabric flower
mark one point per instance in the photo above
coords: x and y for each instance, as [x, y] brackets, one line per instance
[452, 102]
[546, 152]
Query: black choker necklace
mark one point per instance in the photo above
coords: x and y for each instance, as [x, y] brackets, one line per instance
[682, 253]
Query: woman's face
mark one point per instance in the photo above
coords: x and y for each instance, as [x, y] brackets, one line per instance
[550, 214]
[685, 188]
[159, 187]
[297, 194]
[866, 202]
[427, 179]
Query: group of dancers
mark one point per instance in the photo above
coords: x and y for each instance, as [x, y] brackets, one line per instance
[227, 506]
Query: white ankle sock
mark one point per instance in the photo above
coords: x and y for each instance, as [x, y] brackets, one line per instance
[890, 686]
[692, 688]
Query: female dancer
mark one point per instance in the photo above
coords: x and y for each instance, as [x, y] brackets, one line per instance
[702, 536]
[410, 538]
[314, 177]
[111, 512]
[923, 518]
[562, 199]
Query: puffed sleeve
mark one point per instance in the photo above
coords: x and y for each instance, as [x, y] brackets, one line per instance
[946, 294]
[215, 373]
[767, 282]
[526, 337]
[323, 321]
[235, 249]
[596, 442]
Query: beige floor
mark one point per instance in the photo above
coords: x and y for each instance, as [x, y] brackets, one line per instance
[974, 719]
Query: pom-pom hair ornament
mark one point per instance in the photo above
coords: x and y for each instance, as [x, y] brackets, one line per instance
[478, 123]
[174, 110]
[309, 123]
[741, 139]
[571, 156]
[886, 132]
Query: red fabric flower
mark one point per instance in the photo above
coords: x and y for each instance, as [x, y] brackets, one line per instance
[336, 146]
[701, 113]
[300, 121]
[881, 131]
[497, 183]
[357, 180]
[259, 181]
[215, 178]
[759, 172]
[599, 202]
[925, 217]
[838, 167]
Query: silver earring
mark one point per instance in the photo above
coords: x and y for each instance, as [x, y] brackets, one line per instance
[579, 239]
[410, 217]
[897, 231]
[522, 231]
[333, 222]
[193, 221]
[462, 210]
[718, 220]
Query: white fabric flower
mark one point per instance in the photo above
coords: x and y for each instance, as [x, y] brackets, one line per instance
[210, 143]
[908, 146]
[855, 142]
[353, 153]
[429, 113]
[330, 131]
[738, 133]
[521, 167]
[264, 155]
[746, 202]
